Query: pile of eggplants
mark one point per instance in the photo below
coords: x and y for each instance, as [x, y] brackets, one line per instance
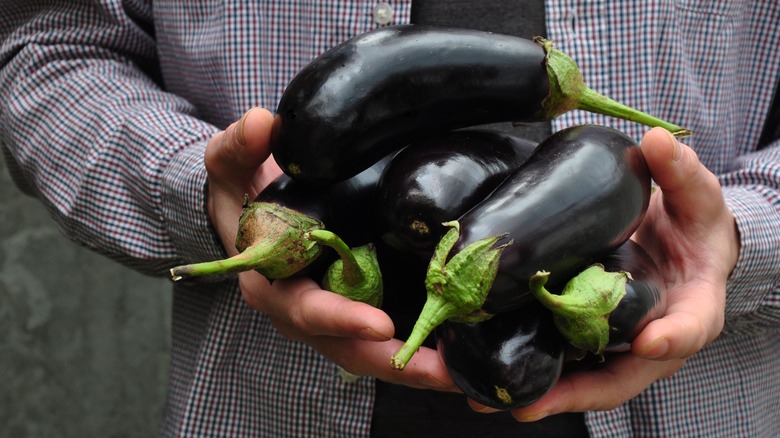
[382, 143]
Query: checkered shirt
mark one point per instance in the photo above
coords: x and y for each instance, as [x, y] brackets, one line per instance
[106, 108]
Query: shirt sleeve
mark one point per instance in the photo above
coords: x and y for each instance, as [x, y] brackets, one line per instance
[88, 130]
[752, 192]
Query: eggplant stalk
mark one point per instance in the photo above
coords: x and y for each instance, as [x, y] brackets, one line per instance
[271, 240]
[456, 289]
[356, 274]
[581, 312]
[569, 92]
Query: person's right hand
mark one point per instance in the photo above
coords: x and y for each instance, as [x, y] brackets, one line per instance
[357, 336]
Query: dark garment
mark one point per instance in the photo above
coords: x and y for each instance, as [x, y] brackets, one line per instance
[523, 18]
[410, 413]
[400, 411]
[771, 131]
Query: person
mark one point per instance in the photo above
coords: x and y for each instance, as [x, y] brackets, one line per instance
[131, 122]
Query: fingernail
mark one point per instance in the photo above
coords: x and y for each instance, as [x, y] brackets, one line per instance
[483, 410]
[238, 133]
[655, 348]
[677, 153]
[370, 334]
[530, 418]
[432, 382]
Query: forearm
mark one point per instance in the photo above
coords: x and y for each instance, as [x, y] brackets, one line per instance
[116, 160]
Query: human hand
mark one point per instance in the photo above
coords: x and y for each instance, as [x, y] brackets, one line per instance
[238, 162]
[691, 234]
[356, 336]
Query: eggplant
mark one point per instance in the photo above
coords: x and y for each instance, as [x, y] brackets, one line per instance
[345, 208]
[439, 178]
[377, 92]
[580, 195]
[273, 229]
[506, 362]
[605, 307]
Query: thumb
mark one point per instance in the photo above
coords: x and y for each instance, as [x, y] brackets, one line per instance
[238, 165]
[689, 188]
[690, 232]
[236, 153]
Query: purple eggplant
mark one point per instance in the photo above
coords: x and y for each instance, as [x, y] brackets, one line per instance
[377, 92]
[506, 362]
[439, 178]
[603, 308]
[580, 195]
[345, 208]
[273, 234]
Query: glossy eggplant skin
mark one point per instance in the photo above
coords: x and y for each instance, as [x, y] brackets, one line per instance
[309, 199]
[645, 298]
[346, 208]
[382, 90]
[438, 179]
[578, 197]
[506, 362]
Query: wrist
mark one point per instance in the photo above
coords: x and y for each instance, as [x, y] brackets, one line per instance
[754, 274]
[184, 192]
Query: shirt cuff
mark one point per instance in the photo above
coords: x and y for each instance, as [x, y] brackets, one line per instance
[755, 273]
[184, 207]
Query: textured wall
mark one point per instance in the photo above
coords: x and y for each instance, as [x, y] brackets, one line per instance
[84, 342]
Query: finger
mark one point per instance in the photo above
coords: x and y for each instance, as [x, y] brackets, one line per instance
[237, 164]
[237, 152]
[693, 319]
[623, 378]
[304, 306]
[690, 191]
[479, 407]
[424, 371]
[364, 358]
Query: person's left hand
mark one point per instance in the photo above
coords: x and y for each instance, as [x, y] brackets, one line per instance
[692, 235]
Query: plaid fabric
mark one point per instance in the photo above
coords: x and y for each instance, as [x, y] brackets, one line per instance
[106, 107]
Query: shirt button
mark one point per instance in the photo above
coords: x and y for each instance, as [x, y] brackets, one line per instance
[383, 13]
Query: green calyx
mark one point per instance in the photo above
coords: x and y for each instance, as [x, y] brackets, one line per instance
[456, 288]
[356, 274]
[271, 240]
[569, 92]
[581, 312]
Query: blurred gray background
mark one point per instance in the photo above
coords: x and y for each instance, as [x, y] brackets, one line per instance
[84, 342]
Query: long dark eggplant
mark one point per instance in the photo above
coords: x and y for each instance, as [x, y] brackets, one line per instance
[439, 178]
[506, 362]
[581, 195]
[272, 236]
[603, 308]
[382, 90]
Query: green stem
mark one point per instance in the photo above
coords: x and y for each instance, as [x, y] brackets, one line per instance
[271, 241]
[552, 301]
[568, 91]
[356, 274]
[352, 272]
[595, 102]
[456, 287]
[252, 258]
[435, 311]
[581, 312]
